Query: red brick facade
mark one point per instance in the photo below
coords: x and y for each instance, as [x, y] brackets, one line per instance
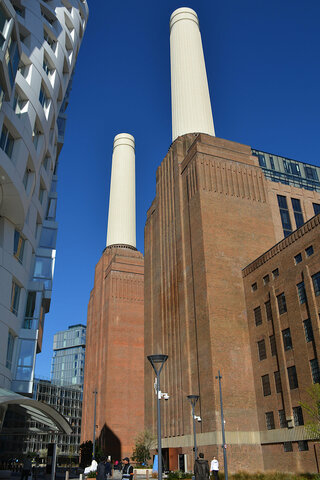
[114, 363]
[214, 213]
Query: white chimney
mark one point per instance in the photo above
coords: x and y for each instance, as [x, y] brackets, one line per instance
[191, 106]
[122, 203]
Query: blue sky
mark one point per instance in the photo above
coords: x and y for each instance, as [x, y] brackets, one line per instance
[263, 68]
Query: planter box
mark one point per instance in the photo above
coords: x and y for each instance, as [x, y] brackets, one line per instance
[142, 471]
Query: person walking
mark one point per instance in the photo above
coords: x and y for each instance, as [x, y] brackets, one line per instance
[101, 470]
[108, 468]
[127, 469]
[201, 468]
[215, 468]
[26, 468]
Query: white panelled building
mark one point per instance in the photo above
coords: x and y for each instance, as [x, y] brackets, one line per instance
[39, 44]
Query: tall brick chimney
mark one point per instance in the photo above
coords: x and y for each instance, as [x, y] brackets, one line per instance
[191, 106]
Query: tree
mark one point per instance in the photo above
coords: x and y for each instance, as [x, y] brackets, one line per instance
[86, 453]
[313, 409]
[144, 441]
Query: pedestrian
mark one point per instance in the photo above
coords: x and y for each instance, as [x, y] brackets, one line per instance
[201, 468]
[101, 470]
[108, 468]
[26, 468]
[215, 468]
[127, 469]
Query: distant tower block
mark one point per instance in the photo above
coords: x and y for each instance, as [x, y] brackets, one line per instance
[122, 204]
[191, 106]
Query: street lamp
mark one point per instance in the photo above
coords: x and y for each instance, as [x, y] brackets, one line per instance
[193, 400]
[224, 446]
[157, 362]
[94, 425]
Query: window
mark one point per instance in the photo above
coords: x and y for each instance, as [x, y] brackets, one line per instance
[262, 350]
[13, 59]
[266, 280]
[52, 205]
[296, 205]
[30, 308]
[6, 141]
[18, 246]
[309, 251]
[10, 346]
[50, 41]
[301, 293]
[268, 310]
[46, 67]
[257, 316]
[297, 416]
[3, 23]
[284, 214]
[262, 160]
[286, 166]
[287, 446]
[308, 331]
[41, 194]
[254, 287]
[315, 370]
[292, 376]
[311, 173]
[270, 421]
[48, 237]
[43, 99]
[282, 306]
[282, 419]
[303, 445]
[316, 283]
[298, 258]
[25, 361]
[15, 295]
[316, 208]
[295, 169]
[277, 381]
[273, 345]
[275, 273]
[266, 385]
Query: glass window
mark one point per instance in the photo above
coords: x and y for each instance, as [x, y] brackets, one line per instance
[286, 166]
[270, 421]
[13, 59]
[10, 346]
[266, 385]
[316, 208]
[295, 169]
[301, 293]
[262, 160]
[277, 381]
[297, 416]
[303, 445]
[286, 336]
[52, 205]
[48, 237]
[6, 141]
[257, 316]
[273, 345]
[3, 22]
[284, 214]
[43, 267]
[282, 306]
[308, 331]
[296, 205]
[15, 296]
[254, 287]
[275, 273]
[266, 279]
[309, 251]
[282, 419]
[30, 307]
[315, 370]
[262, 350]
[272, 163]
[268, 310]
[18, 246]
[311, 173]
[316, 283]
[292, 376]
[298, 258]
[287, 446]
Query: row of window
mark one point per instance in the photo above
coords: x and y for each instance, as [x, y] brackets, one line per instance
[308, 252]
[287, 340]
[266, 279]
[289, 166]
[297, 418]
[302, 446]
[292, 377]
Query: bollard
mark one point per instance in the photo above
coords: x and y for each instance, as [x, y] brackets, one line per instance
[147, 474]
[67, 474]
[135, 474]
[81, 476]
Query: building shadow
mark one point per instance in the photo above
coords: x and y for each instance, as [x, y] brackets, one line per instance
[109, 443]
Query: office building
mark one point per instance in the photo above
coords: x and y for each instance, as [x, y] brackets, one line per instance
[69, 348]
[39, 44]
[219, 206]
[114, 374]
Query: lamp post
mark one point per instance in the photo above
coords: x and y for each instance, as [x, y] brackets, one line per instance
[157, 362]
[193, 400]
[94, 425]
[224, 446]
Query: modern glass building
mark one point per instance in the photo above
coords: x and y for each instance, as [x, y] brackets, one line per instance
[69, 355]
[39, 44]
[289, 172]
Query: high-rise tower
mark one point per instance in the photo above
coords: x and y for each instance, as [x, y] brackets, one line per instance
[39, 45]
[215, 211]
[115, 326]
